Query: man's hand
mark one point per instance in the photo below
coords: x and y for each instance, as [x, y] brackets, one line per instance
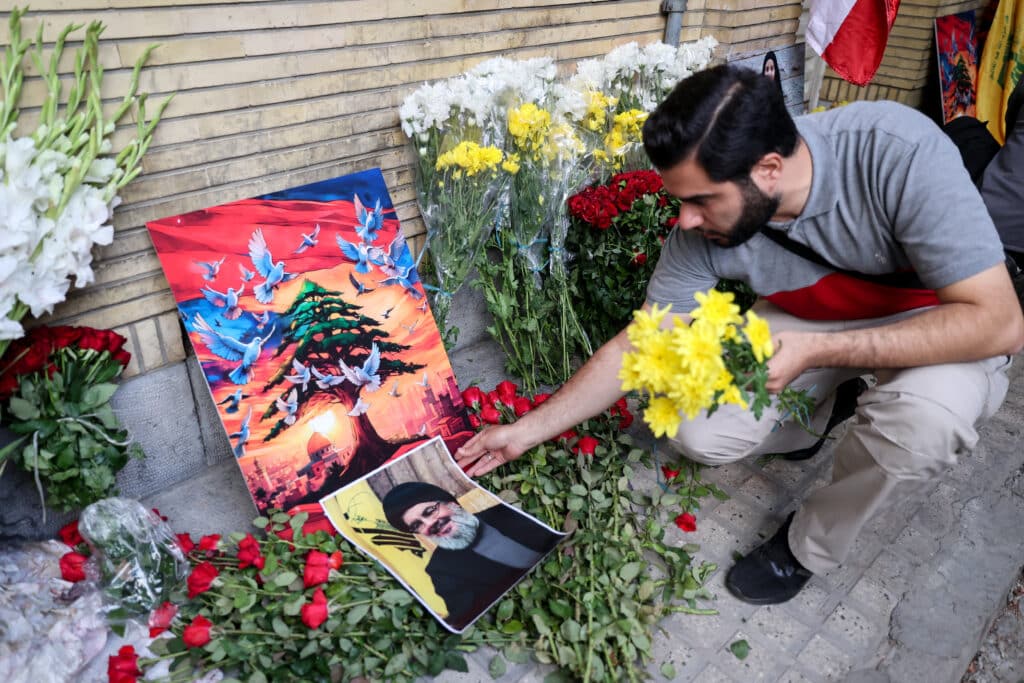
[492, 447]
[793, 355]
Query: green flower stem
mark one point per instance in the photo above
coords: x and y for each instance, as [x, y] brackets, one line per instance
[684, 609]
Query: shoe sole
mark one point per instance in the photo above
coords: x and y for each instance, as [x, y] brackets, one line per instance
[738, 594]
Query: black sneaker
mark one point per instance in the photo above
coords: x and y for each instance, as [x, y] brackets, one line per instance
[842, 410]
[1016, 277]
[770, 573]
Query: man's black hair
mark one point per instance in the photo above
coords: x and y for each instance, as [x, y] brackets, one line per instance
[402, 497]
[728, 117]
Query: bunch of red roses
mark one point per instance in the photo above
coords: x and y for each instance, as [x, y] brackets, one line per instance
[617, 233]
[57, 383]
[504, 405]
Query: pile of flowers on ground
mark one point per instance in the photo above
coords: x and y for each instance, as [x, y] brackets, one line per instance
[58, 185]
[718, 359]
[285, 601]
[55, 390]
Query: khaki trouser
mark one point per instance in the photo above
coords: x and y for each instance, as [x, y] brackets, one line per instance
[908, 429]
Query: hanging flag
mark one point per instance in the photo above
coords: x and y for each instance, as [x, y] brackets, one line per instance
[850, 35]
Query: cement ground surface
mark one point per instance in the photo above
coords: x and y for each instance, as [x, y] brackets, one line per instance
[914, 602]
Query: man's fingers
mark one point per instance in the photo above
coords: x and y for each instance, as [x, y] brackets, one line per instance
[486, 463]
[473, 448]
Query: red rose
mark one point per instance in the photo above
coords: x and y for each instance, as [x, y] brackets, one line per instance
[490, 398]
[249, 553]
[209, 542]
[124, 666]
[315, 613]
[669, 473]
[686, 522]
[521, 405]
[318, 568]
[336, 560]
[626, 420]
[160, 618]
[586, 446]
[490, 415]
[114, 341]
[123, 357]
[62, 336]
[197, 633]
[671, 222]
[473, 397]
[507, 392]
[201, 578]
[474, 421]
[69, 534]
[540, 398]
[92, 340]
[185, 543]
[568, 435]
[72, 567]
[639, 259]
[159, 515]
[25, 359]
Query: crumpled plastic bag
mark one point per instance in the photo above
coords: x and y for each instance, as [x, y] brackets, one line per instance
[137, 557]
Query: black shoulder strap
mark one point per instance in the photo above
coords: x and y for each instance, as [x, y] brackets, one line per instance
[903, 280]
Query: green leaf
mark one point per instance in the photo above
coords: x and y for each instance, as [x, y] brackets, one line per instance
[356, 614]
[455, 662]
[396, 596]
[497, 667]
[668, 671]
[97, 395]
[22, 409]
[257, 677]
[280, 628]
[284, 579]
[571, 631]
[396, 664]
[631, 570]
[505, 610]
[512, 627]
[741, 648]
[293, 607]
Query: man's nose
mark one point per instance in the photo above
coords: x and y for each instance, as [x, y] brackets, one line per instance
[690, 217]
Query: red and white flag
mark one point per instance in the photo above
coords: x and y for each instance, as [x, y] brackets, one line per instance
[850, 35]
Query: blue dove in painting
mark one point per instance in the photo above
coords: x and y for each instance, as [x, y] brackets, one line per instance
[326, 381]
[233, 401]
[273, 274]
[228, 301]
[370, 222]
[360, 287]
[401, 277]
[366, 376]
[210, 270]
[242, 435]
[309, 240]
[355, 252]
[246, 273]
[290, 407]
[396, 257]
[302, 375]
[232, 349]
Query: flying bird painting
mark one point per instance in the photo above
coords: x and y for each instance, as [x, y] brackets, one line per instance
[301, 306]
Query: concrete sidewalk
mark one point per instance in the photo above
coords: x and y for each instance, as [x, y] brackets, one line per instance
[913, 603]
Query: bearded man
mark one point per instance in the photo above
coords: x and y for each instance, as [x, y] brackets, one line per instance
[478, 555]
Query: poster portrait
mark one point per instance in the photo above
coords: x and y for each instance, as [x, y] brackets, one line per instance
[454, 545]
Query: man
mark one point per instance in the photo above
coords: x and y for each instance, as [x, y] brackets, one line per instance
[871, 189]
[478, 556]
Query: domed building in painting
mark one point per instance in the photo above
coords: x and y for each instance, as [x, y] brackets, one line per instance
[321, 454]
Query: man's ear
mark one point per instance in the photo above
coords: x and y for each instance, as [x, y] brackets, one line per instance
[768, 168]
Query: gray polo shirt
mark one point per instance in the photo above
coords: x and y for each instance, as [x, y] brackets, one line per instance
[889, 193]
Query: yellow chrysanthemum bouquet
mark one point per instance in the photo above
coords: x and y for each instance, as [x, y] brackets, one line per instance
[718, 359]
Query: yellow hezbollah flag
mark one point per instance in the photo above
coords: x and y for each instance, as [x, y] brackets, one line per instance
[1002, 65]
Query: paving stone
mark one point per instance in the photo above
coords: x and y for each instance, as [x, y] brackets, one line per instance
[712, 674]
[794, 676]
[811, 603]
[860, 633]
[718, 542]
[672, 647]
[779, 628]
[729, 477]
[791, 474]
[760, 664]
[766, 493]
[873, 597]
[824, 658]
[916, 544]
[745, 517]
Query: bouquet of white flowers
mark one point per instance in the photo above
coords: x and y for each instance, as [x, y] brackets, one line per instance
[58, 186]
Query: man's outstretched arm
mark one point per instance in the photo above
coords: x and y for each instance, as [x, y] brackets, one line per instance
[593, 388]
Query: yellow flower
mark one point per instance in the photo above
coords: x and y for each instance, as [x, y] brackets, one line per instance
[470, 158]
[701, 347]
[692, 394]
[646, 323]
[529, 126]
[511, 164]
[663, 418]
[718, 309]
[734, 396]
[759, 336]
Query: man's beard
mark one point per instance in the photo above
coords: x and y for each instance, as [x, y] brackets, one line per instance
[758, 208]
[465, 527]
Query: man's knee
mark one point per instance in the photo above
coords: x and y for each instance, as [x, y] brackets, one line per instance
[702, 441]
